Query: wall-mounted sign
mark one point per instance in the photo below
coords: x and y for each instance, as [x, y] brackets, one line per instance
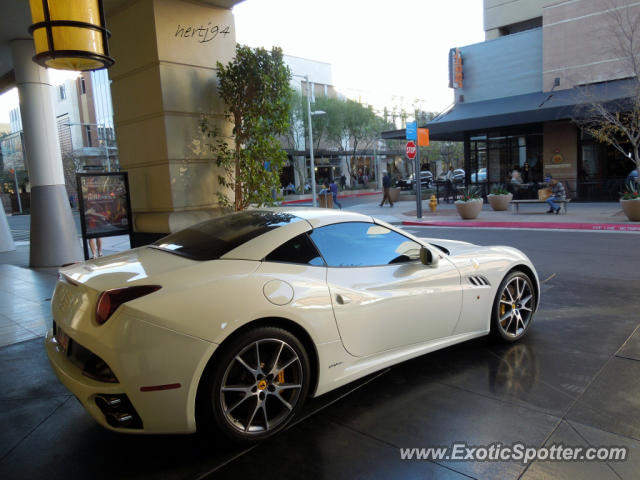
[557, 158]
[105, 207]
[455, 68]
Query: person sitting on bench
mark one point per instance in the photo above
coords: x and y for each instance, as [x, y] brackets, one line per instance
[557, 193]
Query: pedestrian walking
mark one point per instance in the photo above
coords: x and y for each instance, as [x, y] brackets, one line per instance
[386, 185]
[450, 189]
[333, 186]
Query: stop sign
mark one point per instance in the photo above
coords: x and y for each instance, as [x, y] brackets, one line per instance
[411, 150]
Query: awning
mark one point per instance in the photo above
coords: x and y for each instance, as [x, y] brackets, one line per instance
[523, 109]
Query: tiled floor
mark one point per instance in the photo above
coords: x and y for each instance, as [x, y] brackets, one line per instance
[25, 296]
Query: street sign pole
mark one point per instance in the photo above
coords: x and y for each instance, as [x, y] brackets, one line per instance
[418, 184]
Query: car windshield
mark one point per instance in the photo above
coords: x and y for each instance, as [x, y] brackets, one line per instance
[212, 239]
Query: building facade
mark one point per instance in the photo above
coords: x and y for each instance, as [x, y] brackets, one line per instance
[518, 93]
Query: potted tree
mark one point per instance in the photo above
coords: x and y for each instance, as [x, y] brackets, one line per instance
[499, 198]
[469, 204]
[630, 202]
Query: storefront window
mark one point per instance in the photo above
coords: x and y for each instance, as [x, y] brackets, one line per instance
[602, 170]
[494, 155]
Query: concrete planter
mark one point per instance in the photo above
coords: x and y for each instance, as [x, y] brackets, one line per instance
[500, 203]
[469, 210]
[631, 209]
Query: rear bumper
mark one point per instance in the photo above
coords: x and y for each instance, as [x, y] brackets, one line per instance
[85, 389]
[148, 356]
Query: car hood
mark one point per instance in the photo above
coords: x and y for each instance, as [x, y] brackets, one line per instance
[131, 267]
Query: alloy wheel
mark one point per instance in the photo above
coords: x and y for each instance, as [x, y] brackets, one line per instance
[261, 386]
[516, 306]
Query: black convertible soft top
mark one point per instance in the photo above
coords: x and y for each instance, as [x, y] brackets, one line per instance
[213, 238]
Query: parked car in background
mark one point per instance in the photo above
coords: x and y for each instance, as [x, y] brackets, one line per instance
[426, 180]
[458, 176]
[481, 177]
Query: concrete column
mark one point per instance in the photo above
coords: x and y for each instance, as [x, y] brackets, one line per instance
[54, 240]
[163, 83]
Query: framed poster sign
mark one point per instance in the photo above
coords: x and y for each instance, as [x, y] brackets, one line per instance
[105, 205]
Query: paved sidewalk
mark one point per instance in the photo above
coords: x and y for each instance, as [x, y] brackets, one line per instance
[580, 216]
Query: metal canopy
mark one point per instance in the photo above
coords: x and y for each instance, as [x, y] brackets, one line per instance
[525, 109]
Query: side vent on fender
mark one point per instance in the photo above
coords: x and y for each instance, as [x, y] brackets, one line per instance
[478, 281]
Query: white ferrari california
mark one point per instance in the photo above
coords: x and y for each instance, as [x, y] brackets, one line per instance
[232, 322]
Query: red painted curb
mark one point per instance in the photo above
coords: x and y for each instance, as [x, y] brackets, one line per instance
[350, 195]
[609, 227]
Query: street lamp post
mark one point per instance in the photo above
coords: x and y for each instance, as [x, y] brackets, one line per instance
[313, 163]
[311, 157]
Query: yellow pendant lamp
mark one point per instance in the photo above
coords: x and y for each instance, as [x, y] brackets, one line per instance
[70, 35]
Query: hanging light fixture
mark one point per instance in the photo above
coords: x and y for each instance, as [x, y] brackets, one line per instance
[70, 35]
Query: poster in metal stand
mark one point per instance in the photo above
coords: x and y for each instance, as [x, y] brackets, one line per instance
[105, 206]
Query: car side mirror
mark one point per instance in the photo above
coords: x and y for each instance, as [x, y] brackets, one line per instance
[428, 258]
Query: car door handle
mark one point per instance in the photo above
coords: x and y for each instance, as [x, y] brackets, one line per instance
[342, 299]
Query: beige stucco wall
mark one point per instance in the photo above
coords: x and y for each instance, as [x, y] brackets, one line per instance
[163, 82]
[580, 44]
[561, 138]
[499, 13]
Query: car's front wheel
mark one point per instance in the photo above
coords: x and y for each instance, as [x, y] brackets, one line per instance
[257, 384]
[513, 307]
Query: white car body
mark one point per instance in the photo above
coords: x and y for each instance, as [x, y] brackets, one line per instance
[358, 320]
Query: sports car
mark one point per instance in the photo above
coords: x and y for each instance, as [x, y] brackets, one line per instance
[231, 323]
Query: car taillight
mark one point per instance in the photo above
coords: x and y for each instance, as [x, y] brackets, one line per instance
[110, 300]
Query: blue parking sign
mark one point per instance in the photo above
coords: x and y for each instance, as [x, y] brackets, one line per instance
[412, 130]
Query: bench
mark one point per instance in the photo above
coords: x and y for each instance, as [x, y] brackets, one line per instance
[517, 203]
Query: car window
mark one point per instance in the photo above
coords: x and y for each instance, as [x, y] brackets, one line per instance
[297, 250]
[360, 244]
[213, 238]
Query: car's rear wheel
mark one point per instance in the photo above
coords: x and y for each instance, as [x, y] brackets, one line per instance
[513, 307]
[257, 384]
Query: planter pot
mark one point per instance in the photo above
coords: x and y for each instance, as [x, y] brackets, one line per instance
[500, 203]
[631, 209]
[469, 210]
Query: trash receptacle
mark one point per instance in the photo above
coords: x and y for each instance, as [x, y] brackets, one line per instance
[325, 200]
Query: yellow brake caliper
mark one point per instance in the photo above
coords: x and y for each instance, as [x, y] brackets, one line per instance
[281, 376]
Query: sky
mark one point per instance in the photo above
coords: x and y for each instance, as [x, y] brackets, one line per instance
[386, 52]
[378, 48]
[9, 100]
